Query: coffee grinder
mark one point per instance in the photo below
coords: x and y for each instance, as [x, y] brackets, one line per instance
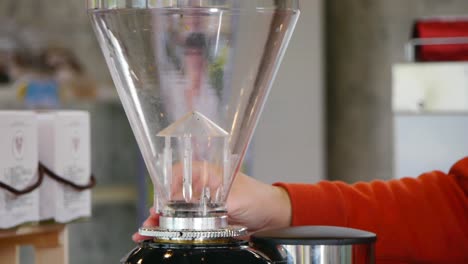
[193, 76]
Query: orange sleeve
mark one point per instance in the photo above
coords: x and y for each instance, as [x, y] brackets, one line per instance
[422, 219]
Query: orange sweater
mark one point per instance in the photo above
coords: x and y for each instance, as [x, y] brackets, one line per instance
[417, 220]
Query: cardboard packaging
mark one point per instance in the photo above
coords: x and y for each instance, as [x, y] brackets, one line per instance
[64, 148]
[18, 167]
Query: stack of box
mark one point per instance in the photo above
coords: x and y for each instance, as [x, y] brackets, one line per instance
[61, 142]
[64, 148]
[18, 167]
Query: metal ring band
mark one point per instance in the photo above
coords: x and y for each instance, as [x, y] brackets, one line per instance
[193, 223]
[228, 232]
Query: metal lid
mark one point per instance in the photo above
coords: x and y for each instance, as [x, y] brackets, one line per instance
[314, 235]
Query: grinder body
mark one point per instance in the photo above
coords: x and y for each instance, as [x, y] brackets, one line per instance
[229, 252]
[294, 245]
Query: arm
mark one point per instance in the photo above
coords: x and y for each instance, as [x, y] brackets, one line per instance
[420, 219]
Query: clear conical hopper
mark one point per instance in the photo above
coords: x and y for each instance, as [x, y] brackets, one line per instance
[193, 77]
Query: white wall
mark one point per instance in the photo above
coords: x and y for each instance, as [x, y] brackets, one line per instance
[427, 142]
[289, 141]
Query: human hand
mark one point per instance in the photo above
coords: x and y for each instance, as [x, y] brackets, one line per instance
[152, 220]
[251, 203]
[257, 205]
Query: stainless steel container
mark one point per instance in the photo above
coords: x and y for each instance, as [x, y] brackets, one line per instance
[316, 245]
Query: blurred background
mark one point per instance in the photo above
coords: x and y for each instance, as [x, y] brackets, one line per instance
[352, 101]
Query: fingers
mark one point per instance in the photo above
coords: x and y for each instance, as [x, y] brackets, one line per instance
[137, 238]
[152, 221]
[203, 175]
[153, 212]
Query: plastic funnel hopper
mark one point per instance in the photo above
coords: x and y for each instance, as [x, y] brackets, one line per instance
[193, 77]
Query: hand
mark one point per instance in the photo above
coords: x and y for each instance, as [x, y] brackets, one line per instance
[251, 203]
[257, 205]
[153, 220]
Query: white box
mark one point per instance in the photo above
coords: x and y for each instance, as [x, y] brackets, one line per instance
[65, 148]
[18, 167]
[430, 87]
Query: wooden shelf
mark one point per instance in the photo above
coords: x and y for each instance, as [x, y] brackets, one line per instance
[49, 241]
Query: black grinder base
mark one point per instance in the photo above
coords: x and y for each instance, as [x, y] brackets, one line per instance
[222, 252]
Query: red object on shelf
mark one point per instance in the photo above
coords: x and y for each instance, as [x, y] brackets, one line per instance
[442, 28]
